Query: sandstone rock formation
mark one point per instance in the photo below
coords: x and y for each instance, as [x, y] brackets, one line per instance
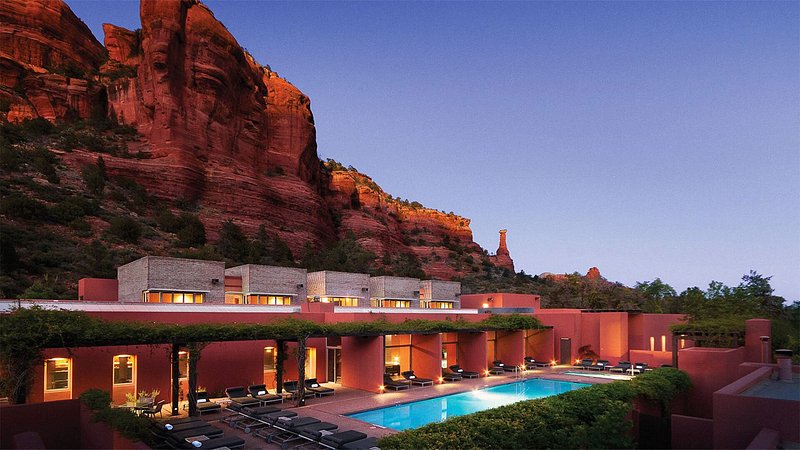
[45, 54]
[502, 258]
[216, 130]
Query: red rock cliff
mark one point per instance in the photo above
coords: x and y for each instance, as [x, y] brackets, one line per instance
[216, 129]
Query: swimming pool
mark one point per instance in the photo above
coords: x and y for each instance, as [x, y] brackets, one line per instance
[416, 414]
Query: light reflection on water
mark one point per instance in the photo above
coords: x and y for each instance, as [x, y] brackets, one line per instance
[419, 413]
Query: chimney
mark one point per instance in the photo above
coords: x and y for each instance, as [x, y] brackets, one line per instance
[502, 249]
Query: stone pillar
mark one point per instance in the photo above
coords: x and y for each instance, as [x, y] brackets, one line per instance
[426, 355]
[362, 362]
[503, 248]
[510, 347]
[472, 351]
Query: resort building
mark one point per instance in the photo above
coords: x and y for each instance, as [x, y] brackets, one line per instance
[184, 291]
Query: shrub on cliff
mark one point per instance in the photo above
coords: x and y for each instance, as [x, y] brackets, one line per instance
[126, 229]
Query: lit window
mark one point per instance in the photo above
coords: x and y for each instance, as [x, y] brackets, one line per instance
[234, 299]
[438, 305]
[396, 304]
[173, 297]
[254, 299]
[123, 369]
[183, 364]
[56, 373]
[341, 301]
[269, 358]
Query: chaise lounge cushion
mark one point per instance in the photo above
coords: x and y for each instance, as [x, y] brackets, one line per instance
[338, 440]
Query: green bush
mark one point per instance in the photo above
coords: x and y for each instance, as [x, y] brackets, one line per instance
[126, 229]
[94, 176]
[192, 233]
[592, 417]
[23, 207]
[95, 399]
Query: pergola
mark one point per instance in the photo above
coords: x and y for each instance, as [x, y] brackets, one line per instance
[26, 332]
[731, 338]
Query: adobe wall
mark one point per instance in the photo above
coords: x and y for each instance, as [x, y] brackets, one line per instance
[710, 369]
[362, 362]
[426, 355]
[739, 418]
[501, 300]
[98, 290]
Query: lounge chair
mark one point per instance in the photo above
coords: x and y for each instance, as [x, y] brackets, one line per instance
[178, 438]
[239, 398]
[464, 373]
[500, 365]
[637, 368]
[313, 386]
[260, 392]
[531, 363]
[287, 429]
[448, 375]
[292, 387]
[409, 375]
[585, 363]
[314, 432]
[602, 364]
[622, 366]
[179, 425]
[251, 418]
[216, 442]
[204, 405]
[339, 440]
[389, 383]
[366, 443]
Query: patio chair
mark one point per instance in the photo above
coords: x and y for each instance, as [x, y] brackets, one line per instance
[251, 418]
[313, 386]
[342, 438]
[409, 375]
[205, 405]
[464, 373]
[449, 375]
[637, 368]
[174, 426]
[602, 364]
[622, 366]
[286, 429]
[292, 387]
[155, 409]
[178, 438]
[260, 392]
[239, 398]
[390, 383]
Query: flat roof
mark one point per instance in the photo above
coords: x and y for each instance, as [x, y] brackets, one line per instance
[770, 388]
[71, 305]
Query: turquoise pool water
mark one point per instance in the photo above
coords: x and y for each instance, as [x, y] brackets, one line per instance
[416, 414]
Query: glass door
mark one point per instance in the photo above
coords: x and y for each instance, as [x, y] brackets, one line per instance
[334, 364]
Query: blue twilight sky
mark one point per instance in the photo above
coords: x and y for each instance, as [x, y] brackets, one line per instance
[648, 139]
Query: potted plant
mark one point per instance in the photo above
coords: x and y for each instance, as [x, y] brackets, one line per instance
[130, 399]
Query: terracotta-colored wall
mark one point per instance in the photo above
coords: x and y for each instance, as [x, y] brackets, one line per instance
[653, 359]
[472, 351]
[754, 329]
[510, 347]
[426, 355]
[739, 418]
[566, 324]
[501, 300]
[613, 335]
[656, 326]
[710, 369]
[39, 417]
[540, 345]
[228, 364]
[97, 290]
[362, 362]
[692, 432]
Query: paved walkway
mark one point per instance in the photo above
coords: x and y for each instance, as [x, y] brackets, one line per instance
[333, 407]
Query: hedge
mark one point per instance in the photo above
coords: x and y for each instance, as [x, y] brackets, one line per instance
[592, 417]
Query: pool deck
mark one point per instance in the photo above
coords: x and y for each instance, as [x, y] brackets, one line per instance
[333, 407]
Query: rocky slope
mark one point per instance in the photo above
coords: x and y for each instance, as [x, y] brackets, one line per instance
[217, 131]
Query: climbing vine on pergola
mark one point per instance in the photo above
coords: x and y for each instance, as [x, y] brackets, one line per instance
[26, 332]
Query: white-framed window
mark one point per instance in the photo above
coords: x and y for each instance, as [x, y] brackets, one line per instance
[57, 374]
